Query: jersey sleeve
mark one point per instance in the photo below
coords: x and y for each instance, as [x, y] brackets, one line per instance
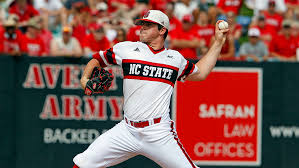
[112, 56]
[186, 68]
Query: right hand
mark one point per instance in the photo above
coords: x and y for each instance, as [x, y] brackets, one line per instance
[220, 35]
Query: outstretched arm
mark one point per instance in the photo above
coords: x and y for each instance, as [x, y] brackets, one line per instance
[87, 71]
[207, 62]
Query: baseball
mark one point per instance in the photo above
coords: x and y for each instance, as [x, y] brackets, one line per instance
[223, 25]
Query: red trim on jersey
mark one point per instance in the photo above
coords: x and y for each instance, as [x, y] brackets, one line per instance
[110, 56]
[150, 63]
[193, 67]
[155, 51]
[105, 55]
[113, 57]
[184, 70]
[75, 166]
[180, 145]
[99, 58]
[149, 79]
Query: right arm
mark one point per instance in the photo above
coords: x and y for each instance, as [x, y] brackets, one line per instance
[88, 70]
[208, 62]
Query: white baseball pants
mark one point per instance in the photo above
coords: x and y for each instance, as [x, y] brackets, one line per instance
[158, 142]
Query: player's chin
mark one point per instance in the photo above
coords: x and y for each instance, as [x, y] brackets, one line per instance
[142, 39]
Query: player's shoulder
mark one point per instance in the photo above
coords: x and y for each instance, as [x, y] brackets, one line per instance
[125, 44]
[175, 54]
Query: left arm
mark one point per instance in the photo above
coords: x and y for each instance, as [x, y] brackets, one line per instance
[208, 62]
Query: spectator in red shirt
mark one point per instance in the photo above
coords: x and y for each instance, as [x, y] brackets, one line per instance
[133, 33]
[96, 41]
[45, 34]
[32, 43]
[295, 33]
[2, 30]
[283, 46]
[265, 30]
[235, 28]
[10, 39]
[158, 5]
[174, 22]
[228, 50]
[93, 7]
[23, 10]
[295, 30]
[79, 21]
[225, 6]
[203, 29]
[272, 17]
[185, 40]
[120, 5]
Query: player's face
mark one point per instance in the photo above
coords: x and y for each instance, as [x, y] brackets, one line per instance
[148, 32]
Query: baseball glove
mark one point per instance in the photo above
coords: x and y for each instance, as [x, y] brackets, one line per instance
[99, 82]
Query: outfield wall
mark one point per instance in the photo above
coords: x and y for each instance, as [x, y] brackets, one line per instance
[46, 118]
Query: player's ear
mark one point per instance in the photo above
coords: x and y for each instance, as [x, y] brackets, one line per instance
[162, 31]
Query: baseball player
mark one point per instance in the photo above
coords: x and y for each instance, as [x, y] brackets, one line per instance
[150, 72]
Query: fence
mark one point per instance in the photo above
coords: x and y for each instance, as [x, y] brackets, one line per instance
[46, 119]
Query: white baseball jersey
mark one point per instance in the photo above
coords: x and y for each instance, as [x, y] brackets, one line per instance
[149, 77]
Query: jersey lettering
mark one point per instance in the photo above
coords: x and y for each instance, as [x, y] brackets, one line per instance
[142, 70]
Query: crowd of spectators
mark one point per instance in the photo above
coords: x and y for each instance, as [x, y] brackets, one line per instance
[78, 28]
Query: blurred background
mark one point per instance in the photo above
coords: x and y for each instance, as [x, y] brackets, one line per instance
[44, 45]
[77, 28]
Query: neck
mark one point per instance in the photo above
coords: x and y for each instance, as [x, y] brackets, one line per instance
[156, 45]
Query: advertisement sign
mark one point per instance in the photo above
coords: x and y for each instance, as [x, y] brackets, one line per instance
[69, 103]
[219, 120]
[55, 115]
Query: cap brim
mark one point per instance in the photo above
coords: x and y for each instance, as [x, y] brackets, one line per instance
[140, 21]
